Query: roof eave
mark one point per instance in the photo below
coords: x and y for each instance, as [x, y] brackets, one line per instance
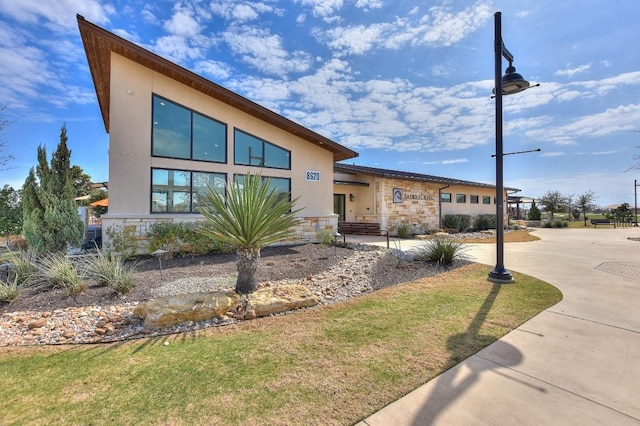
[100, 43]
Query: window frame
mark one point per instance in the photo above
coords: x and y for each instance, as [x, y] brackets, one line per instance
[486, 199]
[473, 197]
[462, 197]
[443, 197]
[264, 145]
[169, 192]
[192, 112]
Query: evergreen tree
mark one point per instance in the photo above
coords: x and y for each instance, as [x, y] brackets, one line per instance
[534, 212]
[50, 218]
[10, 213]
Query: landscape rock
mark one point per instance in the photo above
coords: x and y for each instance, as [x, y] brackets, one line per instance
[171, 310]
[272, 300]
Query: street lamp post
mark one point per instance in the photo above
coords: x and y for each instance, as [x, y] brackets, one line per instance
[511, 83]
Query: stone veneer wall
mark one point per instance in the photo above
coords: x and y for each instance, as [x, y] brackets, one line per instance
[309, 230]
[419, 208]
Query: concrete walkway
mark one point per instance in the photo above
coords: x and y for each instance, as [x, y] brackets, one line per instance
[576, 363]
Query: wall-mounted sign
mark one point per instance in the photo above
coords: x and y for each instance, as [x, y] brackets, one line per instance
[397, 195]
[313, 176]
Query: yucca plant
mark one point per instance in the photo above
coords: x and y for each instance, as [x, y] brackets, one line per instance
[62, 272]
[109, 269]
[441, 251]
[253, 215]
[23, 266]
[10, 290]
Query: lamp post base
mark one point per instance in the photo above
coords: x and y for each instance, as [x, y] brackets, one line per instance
[500, 276]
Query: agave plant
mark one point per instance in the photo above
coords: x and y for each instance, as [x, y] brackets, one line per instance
[252, 216]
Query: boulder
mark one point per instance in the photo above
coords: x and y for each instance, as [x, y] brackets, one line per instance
[172, 310]
[276, 299]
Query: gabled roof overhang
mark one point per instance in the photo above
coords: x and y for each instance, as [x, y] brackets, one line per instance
[100, 43]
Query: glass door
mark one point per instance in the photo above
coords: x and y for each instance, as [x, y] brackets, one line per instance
[339, 206]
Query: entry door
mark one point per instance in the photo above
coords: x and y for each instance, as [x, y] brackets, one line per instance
[339, 206]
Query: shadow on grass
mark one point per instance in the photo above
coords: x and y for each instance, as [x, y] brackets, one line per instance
[453, 383]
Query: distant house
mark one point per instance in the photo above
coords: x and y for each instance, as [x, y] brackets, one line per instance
[172, 132]
[391, 197]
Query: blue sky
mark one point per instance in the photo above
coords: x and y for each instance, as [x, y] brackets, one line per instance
[407, 84]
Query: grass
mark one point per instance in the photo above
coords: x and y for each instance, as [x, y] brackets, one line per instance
[520, 236]
[333, 365]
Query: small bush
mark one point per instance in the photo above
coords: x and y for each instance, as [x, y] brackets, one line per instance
[111, 270]
[23, 267]
[9, 291]
[121, 241]
[441, 251]
[461, 222]
[180, 237]
[556, 224]
[62, 272]
[485, 221]
[534, 212]
[403, 230]
[326, 237]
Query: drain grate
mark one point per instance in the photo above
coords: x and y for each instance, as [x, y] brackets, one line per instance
[628, 270]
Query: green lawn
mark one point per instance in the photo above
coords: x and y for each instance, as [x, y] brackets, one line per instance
[333, 365]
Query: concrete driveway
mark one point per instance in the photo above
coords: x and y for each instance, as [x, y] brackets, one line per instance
[576, 363]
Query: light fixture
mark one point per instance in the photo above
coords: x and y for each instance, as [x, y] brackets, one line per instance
[512, 82]
[352, 197]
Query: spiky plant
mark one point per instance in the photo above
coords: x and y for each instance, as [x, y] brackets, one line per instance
[441, 251]
[252, 216]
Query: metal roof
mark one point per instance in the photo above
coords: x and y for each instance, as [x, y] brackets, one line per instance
[397, 174]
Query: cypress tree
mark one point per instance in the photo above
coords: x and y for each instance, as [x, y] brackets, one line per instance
[50, 218]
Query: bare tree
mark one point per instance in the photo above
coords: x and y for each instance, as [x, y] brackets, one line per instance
[4, 158]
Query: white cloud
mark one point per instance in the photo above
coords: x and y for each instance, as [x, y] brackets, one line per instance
[322, 8]
[356, 40]
[215, 69]
[183, 24]
[59, 15]
[265, 51]
[573, 71]
[456, 161]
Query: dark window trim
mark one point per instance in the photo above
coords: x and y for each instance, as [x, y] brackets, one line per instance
[486, 199]
[458, 196]
[263, 150]
[471, 198]
[191, 172]
[443, 199]
[191, 111]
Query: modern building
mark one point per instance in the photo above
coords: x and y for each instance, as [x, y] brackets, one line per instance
[391, 197]
[173, 132]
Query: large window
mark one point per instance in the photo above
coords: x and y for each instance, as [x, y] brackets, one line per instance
[281, 185]
[182, 191]
[252, 151]
[179, 132]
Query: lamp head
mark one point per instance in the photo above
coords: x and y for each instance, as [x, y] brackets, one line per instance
[513, 82]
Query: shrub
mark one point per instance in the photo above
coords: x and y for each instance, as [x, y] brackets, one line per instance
[485, 221]
[556, 224]
[177, 237]
[534, 212]
[403, 230]
[62, 272]
[326, 237]
[441, 251]
[121, 241]
[10, 290]
[111, 270]
[461, 222]
[23, 267]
